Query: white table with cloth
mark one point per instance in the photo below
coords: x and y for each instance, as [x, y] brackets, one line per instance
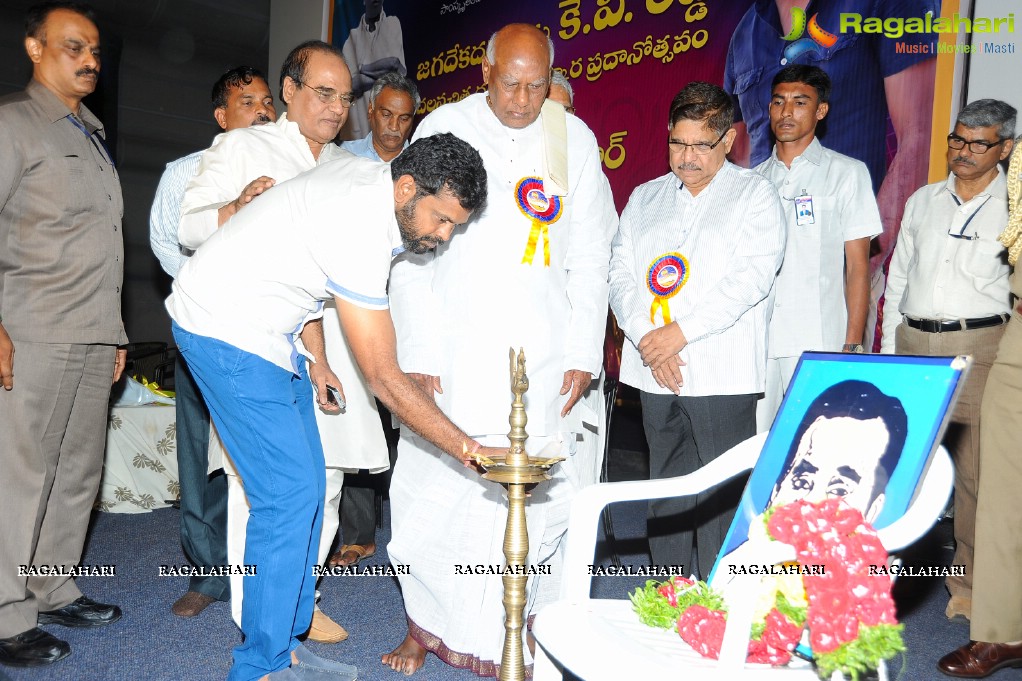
[140, 465]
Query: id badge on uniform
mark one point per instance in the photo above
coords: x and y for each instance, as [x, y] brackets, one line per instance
[804, 210]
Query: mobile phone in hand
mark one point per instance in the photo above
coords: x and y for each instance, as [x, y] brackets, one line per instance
[333, 396]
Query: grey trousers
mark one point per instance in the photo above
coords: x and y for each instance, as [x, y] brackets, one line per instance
[684, 434]
[52, 438]
[203, 496]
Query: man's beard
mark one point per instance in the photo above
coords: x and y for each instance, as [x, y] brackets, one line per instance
[409, 236]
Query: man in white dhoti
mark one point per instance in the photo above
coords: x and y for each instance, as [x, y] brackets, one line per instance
[316, 86]
[533, 274]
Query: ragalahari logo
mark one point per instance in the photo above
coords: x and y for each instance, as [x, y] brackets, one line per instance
[817, 38]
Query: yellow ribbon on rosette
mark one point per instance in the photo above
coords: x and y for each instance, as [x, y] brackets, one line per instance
[542, 210]
[665, 277]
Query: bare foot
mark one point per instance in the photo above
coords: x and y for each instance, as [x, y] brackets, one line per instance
[406, 658]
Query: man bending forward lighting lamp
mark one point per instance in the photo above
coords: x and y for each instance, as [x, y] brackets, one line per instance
[237, 306]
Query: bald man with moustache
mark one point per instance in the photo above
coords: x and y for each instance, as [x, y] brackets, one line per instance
[532, 274]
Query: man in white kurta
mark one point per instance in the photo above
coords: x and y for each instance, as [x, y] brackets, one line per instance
[822, 292]
[239, 165]
[531, 274]
[692, 269]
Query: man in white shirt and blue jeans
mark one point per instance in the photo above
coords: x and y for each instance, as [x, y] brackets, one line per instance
[948, 293]
[822, 291]
[691, 272]
[238, 307]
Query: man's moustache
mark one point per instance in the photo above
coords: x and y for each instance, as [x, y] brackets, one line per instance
[962, 159]
[688, 166]
[87, 72]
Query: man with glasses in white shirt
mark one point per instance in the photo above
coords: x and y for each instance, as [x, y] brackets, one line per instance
[691, 273]
[948, 293]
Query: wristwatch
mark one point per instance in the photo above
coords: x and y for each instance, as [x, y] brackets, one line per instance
[853, 347]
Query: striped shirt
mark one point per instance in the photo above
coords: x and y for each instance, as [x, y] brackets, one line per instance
[165, 215]
[731, 237]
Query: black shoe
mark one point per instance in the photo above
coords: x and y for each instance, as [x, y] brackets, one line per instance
[32, 648]
[83, 612]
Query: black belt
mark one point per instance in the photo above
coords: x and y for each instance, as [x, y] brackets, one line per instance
[938, 326]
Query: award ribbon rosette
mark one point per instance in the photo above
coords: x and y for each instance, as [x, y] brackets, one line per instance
[542, 210]
[667, 274]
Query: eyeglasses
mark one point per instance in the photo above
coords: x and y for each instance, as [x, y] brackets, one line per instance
[975, 146]
[962, 236]
[329, 96]
[700, 148]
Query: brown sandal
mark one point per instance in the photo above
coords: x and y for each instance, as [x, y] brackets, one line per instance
[361, 552]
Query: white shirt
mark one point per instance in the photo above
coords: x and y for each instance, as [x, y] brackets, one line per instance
[257, 281]
[732, 235]
[936, 276]
[277, 150]
[457, 314]
[809, 304]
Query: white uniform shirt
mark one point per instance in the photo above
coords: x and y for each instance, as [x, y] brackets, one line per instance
[277, 150]
[936, 276]
[732, 236]
[257, 281]
[458, 313]
[809, 303]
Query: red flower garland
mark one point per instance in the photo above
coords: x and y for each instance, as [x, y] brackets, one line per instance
[845, 596]
[850, 614]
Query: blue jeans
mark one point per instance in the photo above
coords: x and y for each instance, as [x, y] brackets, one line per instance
[265, 417]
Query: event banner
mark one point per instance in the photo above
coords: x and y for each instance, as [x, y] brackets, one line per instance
[626, 59]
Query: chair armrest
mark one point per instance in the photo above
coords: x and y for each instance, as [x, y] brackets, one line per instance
[929, 502]
[589, 503]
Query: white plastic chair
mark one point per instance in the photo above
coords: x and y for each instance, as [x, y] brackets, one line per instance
[600, 639]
